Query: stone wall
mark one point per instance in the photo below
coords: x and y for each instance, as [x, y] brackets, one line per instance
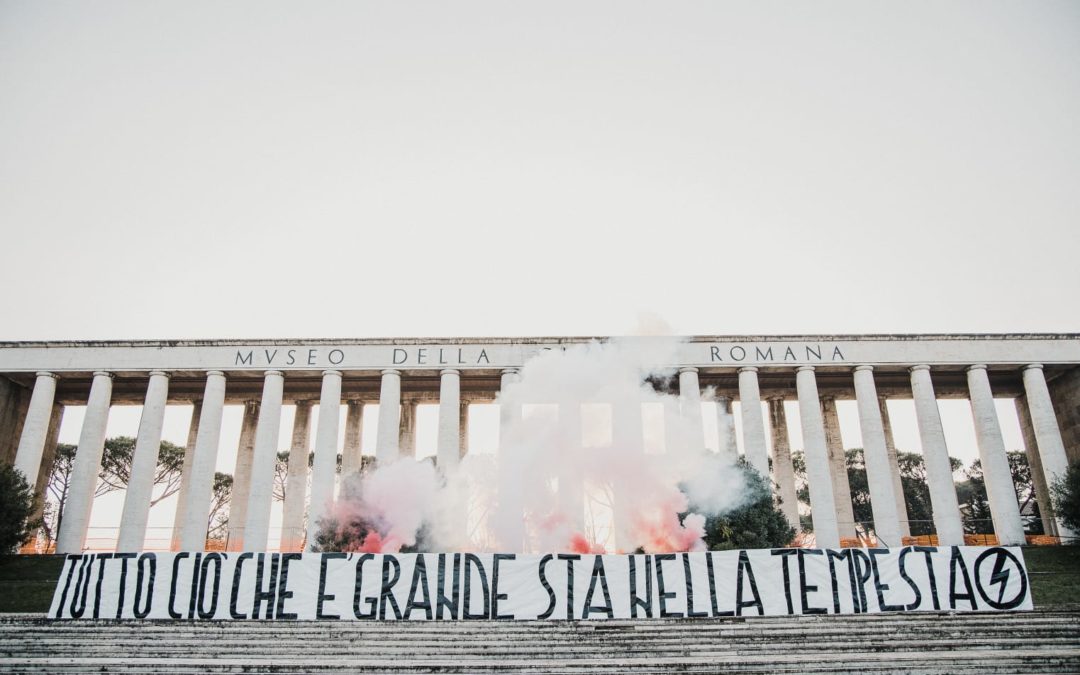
[1065, 393]
[14, 400]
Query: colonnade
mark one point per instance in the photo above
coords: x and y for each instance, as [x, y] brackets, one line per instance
[259, 444]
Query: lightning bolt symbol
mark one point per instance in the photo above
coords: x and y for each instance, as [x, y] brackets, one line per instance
[1000, 575]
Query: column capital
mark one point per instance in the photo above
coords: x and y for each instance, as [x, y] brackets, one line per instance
[921, 366]
[449, 371]
[748, 369]
[331, 372]
[103, 373]
[775, 397]
[1033, 366]
[801, 369]
[864, 367]
[302, 402]
[391, 371]
[509, 371]
[45, 373]
[273, 373]
[159, 373]
[215, 373]
[977, 366]
[688, 369]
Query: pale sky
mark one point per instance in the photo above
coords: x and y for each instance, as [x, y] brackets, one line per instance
[359, 169]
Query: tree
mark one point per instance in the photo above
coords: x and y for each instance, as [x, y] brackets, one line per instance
[16, 506]
[1066, 494]
[975, 505]
[217, 521]
[757, 523]
[56, 489]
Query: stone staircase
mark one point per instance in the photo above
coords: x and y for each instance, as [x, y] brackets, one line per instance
[1023, 642]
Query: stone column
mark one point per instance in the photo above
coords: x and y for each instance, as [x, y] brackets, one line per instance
[185, 476]
[753, 426]
[386, 441]
[140, 489]
[48, 458]
[894, 468]
[85, 468]
[326, 440]
[463, 430]
[950, 530]
[292, 514]
[876, 456]
[845, 513]
[36, 427]
[261, 491]
[1038, 475]
[448, 449]
[407, 430]
[571, 494]
[241, 489]
[201, 486]
[783, 468]
[628, 439]
[1000, 492]
[690, 404]
[822, 503]
[725, 425]
[510, 501]
[1047, 434]
[352, 459]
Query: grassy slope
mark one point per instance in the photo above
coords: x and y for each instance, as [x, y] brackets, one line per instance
[27, 582]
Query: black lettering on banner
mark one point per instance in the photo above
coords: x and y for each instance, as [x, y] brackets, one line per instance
[72, 561]
[101, 558]
[957, 562]
[712, 588]
[690, 588]
[283, 592]
[419, 583]
[928, 553]
[444, 602]
[144, 611]
[495, 595]
[901, 564]
[744, 567]
[570, 559]
[373, 603]
[598, 574]
[238, 572]
[266, 596]
[806, 589]
[784, 554]
[386, 592]
[215, 558]
[551, 593]
[879, 586]
[82, 580]
[323, 596]
[635, 600]
[861, 563]
[471, 561]
[123, 558]
[999, 574]
[664, 596]
[193, 592]
[832, 556]
[172, 585]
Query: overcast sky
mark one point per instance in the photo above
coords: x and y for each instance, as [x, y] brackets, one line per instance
[356, 169]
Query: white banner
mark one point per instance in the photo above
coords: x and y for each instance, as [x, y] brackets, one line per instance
[431, 586]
